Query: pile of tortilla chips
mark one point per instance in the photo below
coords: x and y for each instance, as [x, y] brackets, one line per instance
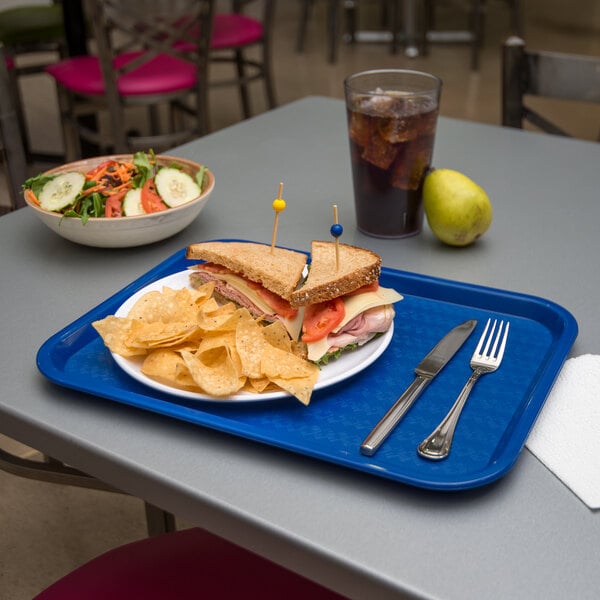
[189, 341]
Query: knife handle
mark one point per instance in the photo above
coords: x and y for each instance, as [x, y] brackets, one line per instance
[391, 418]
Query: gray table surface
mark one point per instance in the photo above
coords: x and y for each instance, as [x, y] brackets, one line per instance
[525, 536]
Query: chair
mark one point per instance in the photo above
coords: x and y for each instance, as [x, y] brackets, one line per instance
[332, 27]
[11, 141]
[36, 32]
[546, 74]
[184, 565]
[140, 66]
[473, 34]
[234, 34]
[390, 16]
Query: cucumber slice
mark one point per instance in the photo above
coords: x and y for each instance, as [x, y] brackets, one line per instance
[132, 203]
[61, 191]
[175, 187]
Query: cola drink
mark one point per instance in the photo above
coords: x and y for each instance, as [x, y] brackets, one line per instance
[392, 134]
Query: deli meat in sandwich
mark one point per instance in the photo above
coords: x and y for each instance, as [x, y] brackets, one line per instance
[344, 306]
[255, 276]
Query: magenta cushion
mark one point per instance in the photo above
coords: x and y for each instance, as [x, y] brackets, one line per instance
[231, 29]
[163, 74]
[186, 564]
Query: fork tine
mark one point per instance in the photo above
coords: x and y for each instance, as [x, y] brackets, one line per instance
[496, 340]
[490, 338]
[503, 344]
[482, 338]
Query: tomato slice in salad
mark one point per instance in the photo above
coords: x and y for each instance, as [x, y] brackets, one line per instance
[321, 319]
[151, 201]
[114, 205]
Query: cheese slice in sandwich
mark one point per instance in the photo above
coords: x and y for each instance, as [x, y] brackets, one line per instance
[255, 276]
[344, 305]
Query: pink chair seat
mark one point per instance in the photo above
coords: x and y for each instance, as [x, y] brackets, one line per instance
[161, 75]
[232, 29]
[187, 564]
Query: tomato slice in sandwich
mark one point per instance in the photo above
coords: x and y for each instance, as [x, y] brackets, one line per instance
[371, 287]
[281, 306]
[321, 319]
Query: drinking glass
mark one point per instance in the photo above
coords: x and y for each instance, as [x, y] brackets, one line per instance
[392, 119]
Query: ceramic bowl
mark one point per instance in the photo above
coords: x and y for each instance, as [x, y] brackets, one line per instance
[124, 232]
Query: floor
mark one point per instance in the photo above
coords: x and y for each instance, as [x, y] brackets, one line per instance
[47, 530]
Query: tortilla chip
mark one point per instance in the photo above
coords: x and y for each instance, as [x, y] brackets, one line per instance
[276, 334]
[301, 387]
[168, 367]
[115, 331]
[170, 306]
[250, 344]
[217, 379]
[158, 334]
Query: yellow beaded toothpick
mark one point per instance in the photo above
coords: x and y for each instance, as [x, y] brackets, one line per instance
[278, 206]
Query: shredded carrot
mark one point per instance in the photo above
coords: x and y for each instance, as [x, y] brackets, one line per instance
[29, 195]
[96, 188]
[98, 171]
[122, 171]
[118, 188]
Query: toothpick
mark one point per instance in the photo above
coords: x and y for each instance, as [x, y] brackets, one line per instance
[278, 206]
[336, 231]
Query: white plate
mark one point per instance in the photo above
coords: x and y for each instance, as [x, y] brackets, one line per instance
[343, 368]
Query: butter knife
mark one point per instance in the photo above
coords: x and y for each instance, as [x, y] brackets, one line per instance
[426, 370]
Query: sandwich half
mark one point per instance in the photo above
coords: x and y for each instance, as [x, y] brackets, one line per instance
[255, 276]
[344, 306]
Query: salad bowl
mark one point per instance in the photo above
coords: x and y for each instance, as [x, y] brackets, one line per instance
[126, 231]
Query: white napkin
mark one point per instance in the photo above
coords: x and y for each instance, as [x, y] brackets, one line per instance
[566, 436]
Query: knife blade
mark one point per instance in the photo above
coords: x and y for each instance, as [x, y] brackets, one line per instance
[426, 370]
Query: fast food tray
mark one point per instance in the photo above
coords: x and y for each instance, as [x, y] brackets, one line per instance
[491, 432]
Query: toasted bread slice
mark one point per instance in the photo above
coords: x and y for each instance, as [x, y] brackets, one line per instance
[325, 281]
[278, 270]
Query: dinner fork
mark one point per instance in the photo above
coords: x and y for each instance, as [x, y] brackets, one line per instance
[436, 446]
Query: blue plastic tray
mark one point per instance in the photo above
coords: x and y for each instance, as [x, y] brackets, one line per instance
[489, 437]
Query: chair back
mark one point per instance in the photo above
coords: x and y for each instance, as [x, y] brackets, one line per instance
[142, 36]
[547, 74]
[11, 142]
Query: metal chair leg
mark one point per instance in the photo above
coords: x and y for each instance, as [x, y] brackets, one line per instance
[243, 87]
[158, 521]
[302, 28]
[333, 29]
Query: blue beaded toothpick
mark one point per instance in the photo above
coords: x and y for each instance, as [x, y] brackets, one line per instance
[336, 231]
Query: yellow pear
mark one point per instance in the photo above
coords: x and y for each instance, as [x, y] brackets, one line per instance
[457, 209]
